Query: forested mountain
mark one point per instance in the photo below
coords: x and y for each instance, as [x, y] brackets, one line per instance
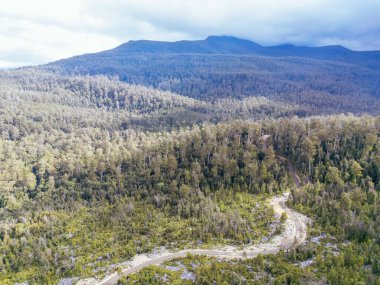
[235, 46]
[327, 79]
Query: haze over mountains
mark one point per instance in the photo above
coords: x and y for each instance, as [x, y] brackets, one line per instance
[327, 79]
[237, 46]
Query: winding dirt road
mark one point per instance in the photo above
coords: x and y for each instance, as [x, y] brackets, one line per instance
[294, 233]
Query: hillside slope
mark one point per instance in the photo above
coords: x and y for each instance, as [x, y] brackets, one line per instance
[235, 46]
[328, 79]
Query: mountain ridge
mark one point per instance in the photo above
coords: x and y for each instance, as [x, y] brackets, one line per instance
[227, 40]
[230, 45]
[212, 45]
[227, 67]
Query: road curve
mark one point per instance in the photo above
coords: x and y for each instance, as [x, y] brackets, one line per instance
[294, 234]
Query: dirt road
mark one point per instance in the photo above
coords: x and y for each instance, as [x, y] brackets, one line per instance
[294, 233]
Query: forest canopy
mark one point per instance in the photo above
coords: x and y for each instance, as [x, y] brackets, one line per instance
[94, 170]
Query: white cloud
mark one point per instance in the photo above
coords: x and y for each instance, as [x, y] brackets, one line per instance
[40, 31]
[25, 42]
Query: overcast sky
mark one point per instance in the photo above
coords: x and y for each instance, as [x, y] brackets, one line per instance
[40, 31]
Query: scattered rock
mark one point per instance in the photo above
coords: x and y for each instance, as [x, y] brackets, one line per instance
[88, 281]
[317, 239]
[173, 268]
[68, 281]
[178, 267]
[194, 265]
[306, 263]
[188, 275]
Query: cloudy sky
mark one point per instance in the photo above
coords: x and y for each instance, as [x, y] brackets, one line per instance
[39, 31]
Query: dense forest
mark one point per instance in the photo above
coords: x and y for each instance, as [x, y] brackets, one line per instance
[81, 191]
[327, 79]
[100, 163]
[339, 158]
[130, 106]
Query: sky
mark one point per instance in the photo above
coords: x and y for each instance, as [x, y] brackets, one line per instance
[40, 31]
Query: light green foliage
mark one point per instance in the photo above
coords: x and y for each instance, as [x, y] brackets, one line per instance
[283, 218]
[83, 187]
[340, 198]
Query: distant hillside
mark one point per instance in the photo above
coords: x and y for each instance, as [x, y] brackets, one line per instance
[211, 45]
[100, 102]
[235, 46]
[328, 79]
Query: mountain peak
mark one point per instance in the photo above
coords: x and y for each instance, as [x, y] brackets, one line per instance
[210, 45]
[229, 39]
[222, 38]
[226, 44]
